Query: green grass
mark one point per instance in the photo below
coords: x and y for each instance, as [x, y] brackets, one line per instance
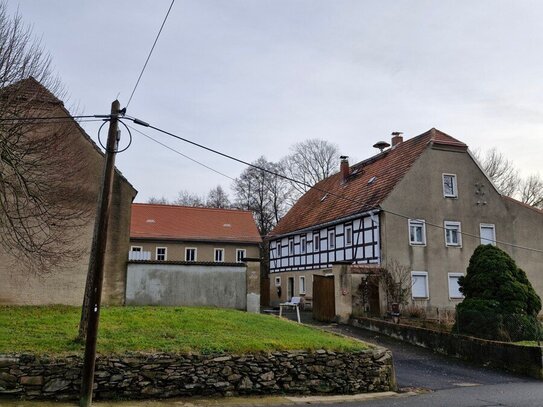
[53, 329]
[527, 343]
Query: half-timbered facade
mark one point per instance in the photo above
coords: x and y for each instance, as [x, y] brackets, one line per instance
[355, 240]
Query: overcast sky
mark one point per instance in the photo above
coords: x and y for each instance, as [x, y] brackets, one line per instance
[252, 77]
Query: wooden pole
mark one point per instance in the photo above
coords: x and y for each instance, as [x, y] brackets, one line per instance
[97, 257]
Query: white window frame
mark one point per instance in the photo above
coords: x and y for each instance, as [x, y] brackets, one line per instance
[488, 226]
[303, 244]
[165, 253]
[278, 249]
[195, 253]
[136, 248]
[348, 232]
[331, 239]
[424, 274]
[291, 247]
[454, 186]
[302, 285]
[415, 223]
[454, 275]
[218, 250]
[449, 225]
[238, 251]
[278, 281]
[316, 243]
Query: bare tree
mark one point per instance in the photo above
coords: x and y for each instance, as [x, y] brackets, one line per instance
[217, 198]
[187, 198]
[531, 190]
[262, 193]
[158, 201]
[500, 170]
[44, 197]
[309, 162]
[396, 282]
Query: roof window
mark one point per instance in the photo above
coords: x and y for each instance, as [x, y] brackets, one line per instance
[372, 180]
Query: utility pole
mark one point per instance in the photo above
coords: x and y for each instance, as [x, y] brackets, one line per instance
[97, 258]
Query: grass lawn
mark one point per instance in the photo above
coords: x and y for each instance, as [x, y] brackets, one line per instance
[53, 329]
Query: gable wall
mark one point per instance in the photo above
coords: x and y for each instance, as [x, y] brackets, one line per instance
[420, 195]
[66, 285]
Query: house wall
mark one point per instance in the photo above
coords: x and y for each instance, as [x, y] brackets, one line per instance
[288, 252]
[65, 285]
[527, 226]
[419, 195]
[156, 283]
[205, 250]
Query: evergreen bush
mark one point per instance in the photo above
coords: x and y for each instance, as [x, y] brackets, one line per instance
[499, 300]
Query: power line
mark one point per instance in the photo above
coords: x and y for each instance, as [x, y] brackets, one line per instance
[181, 154]
[46, 118]
[150, 53]
[364, 205]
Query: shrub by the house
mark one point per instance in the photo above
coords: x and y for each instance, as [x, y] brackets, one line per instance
[499, 300]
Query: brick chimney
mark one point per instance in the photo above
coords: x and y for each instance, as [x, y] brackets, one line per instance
[397, 138]
[344, 168]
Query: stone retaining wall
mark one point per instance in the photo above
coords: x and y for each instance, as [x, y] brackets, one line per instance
[139, 376]
[525, 360]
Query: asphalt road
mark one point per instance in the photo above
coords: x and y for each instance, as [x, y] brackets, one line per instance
[444, 381]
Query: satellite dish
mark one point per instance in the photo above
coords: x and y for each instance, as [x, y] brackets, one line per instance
[381, 145]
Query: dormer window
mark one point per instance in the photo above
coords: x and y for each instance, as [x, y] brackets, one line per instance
[450, 189]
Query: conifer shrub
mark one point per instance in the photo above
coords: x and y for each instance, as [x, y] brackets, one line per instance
[499, 300]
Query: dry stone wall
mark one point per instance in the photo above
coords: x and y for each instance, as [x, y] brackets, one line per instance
[139, 376]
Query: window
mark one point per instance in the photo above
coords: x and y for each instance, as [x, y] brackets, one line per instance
[453, 236]
[136, 249]
[488, 234]
[331, 239]
[316, 243]
[454, 287]
[449, 186]
[348, 235]
[219, 255]
[303, 244]
[240, 255]
[190, 254]
[278, 248]
[419, 284]
[291, 247]
[302, 285]
[278, 281]
[417, 232]
[161, 253]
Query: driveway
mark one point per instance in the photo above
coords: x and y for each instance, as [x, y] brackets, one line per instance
[420, 368]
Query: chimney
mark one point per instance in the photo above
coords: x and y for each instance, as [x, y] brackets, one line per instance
[344, 168]
[396, 138]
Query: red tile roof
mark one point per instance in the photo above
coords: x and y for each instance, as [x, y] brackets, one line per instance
[174, 222]
[357, 195]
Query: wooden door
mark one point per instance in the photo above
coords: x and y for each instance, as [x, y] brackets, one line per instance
[324, 301]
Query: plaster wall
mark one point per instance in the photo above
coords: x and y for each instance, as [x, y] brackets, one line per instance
[65, 284]
[420, 196]
[205, 251]
[186, 285]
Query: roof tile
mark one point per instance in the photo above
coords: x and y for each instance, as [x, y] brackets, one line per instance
[332, 199]
[150, 221]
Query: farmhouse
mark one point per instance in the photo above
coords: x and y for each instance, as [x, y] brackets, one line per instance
[424, 203]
